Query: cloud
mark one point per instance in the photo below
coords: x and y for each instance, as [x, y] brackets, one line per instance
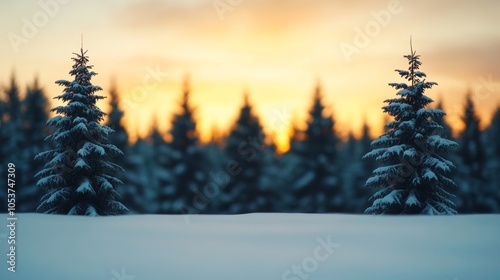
[258, 17]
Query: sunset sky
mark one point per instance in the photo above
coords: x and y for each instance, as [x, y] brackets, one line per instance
[277, 50]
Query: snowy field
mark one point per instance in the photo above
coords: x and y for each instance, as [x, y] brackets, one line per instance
[254, 247]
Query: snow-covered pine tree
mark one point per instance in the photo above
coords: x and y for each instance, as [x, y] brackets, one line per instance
[78, 176]
[315, 178]
[245, 145]
[413, 178]
[35, 113]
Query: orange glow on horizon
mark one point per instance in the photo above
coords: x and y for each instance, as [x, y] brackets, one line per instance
[276, 121]
[277, 50]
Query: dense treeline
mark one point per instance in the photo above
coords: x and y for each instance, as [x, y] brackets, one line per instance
[241, 172]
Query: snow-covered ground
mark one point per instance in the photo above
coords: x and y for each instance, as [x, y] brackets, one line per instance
[254, 247]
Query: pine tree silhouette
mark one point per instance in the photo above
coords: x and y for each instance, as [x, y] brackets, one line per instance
[186, 166]
[476, 196]
[494, 133]
[115, 121]
[11, 139]
[493, 162]
[245, 145]
[440, 120]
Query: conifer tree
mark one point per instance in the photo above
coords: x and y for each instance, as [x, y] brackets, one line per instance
[11, 139]
[269, 197]
[141, 193]
[285, 166]
[350, 171]
[476, 195]
[214, 148]
[132, 195]
[471, 140]
[35, 113]
[3, 152]
[245, 146]
[355, 171]
[296, 135]
[186, 162]
[13, 101]
[161, 178]
[148, 159]
[493, 162]
[315, 179]
[12, 121]
[446, 132]
[494, 134]
[115, 121]
[367, 165]
[413, 178]
[78, 174]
